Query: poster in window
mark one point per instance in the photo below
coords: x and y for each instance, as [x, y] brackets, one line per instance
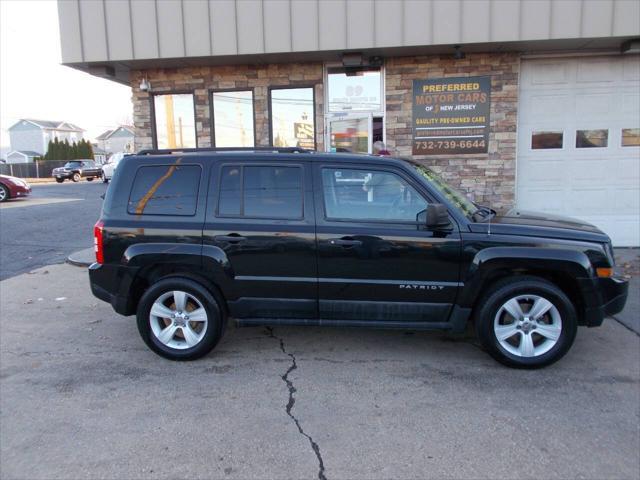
[451, 115]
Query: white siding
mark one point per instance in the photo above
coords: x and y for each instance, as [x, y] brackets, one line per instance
[139, 29]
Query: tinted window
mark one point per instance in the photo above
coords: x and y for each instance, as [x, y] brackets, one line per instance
[165, 190]
[369, 195]
[72, 164]
[230, 191]
[261, 191]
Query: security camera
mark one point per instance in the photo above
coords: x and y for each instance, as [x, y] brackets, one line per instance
[145, 85]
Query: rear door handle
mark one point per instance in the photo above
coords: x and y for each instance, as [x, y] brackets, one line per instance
[231, 238]
[344, 242]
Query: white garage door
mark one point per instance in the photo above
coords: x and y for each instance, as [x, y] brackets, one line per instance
[578, 136]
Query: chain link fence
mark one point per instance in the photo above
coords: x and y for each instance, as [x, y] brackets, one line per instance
[31, 170]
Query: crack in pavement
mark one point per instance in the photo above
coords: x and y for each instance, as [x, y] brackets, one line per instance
[292, 401]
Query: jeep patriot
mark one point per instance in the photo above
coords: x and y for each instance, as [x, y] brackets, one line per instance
[188, 240]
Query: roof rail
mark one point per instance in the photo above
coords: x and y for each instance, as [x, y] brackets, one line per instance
[168, 151]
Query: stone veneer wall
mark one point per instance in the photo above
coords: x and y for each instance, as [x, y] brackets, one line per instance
[491, 176]
[201, 80]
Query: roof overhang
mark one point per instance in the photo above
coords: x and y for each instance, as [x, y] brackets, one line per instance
[118, 71]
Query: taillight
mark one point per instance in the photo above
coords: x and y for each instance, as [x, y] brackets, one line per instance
[97, 241]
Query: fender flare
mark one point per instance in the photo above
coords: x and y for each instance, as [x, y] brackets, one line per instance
[487, 262]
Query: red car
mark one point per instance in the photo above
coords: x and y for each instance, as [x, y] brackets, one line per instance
[12, 187]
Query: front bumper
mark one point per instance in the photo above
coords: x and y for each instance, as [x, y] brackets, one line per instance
[610, 296]
[20, 191]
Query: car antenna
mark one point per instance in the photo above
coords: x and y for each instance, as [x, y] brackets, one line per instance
[490, 211]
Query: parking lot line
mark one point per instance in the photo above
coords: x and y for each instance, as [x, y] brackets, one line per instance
[32, 202]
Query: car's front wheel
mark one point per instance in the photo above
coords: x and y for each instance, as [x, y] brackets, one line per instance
[526, 322]
[59, 180]
[4, 193]
[179, 319]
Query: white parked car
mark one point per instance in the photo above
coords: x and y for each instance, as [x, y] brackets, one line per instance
[109, 168]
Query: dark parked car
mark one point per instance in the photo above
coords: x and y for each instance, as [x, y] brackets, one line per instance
[189, 240]
[77, 169]
[13, 187]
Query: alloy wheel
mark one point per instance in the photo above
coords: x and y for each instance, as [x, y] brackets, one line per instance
[178, 320]
[527, 325]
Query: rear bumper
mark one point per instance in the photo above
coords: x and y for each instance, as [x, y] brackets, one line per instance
[111, 284]
[612, 293]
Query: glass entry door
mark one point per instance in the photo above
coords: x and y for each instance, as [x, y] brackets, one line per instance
[349, 133]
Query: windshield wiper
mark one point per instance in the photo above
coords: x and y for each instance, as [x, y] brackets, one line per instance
[483, 213]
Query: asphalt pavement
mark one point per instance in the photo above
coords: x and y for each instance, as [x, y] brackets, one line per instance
[81, 396]
[56, 220]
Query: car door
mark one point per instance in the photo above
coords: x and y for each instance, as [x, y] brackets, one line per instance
[376, 262]
[261, 216]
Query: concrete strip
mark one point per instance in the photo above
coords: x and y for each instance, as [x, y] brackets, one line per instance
[32, 202]
[82, 397]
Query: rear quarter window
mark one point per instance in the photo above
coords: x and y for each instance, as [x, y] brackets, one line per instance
[165, 190]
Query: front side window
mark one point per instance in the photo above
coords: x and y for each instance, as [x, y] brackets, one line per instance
[363, 195]
[261, 192]
[165, 190]
[233, 118]
[292, 121]
[175, 122]
[354, 89]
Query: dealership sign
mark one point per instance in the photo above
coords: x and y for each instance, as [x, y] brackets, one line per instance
[451, 115]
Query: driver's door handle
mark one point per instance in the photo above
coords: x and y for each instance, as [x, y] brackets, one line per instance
[231, 238]
[344, 242]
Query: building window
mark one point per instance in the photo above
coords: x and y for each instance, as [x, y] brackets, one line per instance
[630, 137]
[592, 138]
[292, 117]
[233, 118]
[354, 89]
[174, 120]
[261, 192]
[165, 190]
[546, 139]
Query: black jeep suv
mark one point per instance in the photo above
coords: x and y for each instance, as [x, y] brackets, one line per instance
[284, 237]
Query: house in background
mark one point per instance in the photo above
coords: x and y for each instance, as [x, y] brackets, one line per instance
[28, 135]
[99, 155]
[22, 156]
[120, 139]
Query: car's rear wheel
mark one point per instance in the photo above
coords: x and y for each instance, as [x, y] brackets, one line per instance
[89, 179]
[4, 193]
[76, 177]
[59, 180]
[179, 319]
[526, 322]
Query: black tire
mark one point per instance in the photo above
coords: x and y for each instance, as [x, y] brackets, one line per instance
[491, 303]
[76, 177]
[105, 179]
[89, 179]
[59, 180]
[215, 323]
[4, 193]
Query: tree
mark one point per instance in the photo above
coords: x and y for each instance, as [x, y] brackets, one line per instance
[49, 154]
[90, 151]
[73, 151]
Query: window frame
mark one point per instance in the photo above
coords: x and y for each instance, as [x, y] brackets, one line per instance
[212, 120]
[291, 87]
[197, 195]
[241, 166]
[152, 101]
[379, 168]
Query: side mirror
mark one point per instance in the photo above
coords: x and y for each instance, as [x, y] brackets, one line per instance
[434, 216]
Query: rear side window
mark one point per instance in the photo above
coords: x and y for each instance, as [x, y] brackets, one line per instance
[165, 190]
[267, 191]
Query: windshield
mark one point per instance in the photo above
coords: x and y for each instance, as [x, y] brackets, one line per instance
[453, 195]
[72, 164]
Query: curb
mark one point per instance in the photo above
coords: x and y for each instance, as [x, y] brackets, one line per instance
[81, 258]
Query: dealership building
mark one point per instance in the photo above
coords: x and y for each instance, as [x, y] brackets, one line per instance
[527, 103]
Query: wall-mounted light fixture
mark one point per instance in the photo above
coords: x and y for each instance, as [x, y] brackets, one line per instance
[630, 46]
[352, 59]
[145, 86]
[459, 54]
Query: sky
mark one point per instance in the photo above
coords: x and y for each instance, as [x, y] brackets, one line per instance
[33, 84]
